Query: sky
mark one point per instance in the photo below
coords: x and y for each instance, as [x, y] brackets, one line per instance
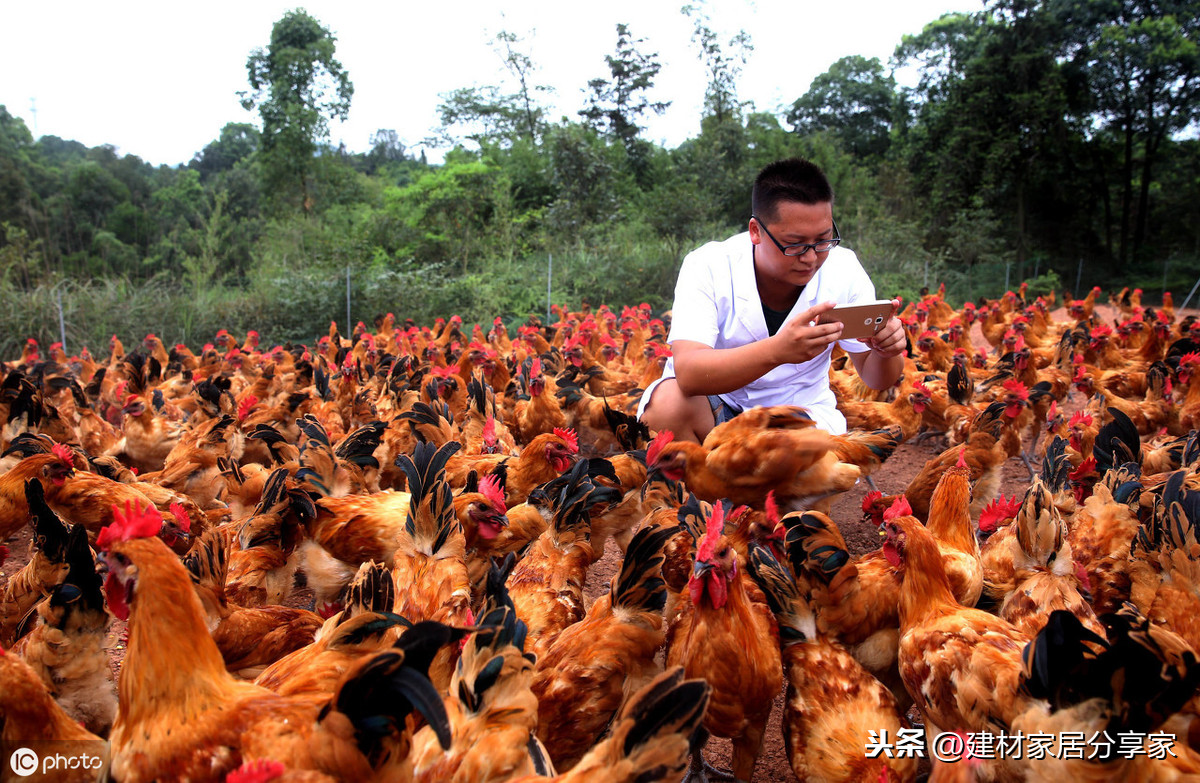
[160, 79]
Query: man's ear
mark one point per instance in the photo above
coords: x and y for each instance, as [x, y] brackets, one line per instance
[755, 232]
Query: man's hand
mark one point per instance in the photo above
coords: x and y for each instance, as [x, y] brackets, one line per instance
[801, 338]
[888, 341]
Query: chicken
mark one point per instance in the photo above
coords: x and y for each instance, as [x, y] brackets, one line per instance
[648, 740]
[1100, 535]
[831, 702]
[854, 598]
[760, 450]
[47, 566]
[541, 412]
[870, 415]
[263, 565]
[962, 666]
[547, 584]
[1111, 692]
[66, 647]
[31, 718]
[491, 711]
[1165, 572]
[1045, 575]
[249, 638]
[543, 459]
[721, 635]
[181, 715]
[593, 665]
[950, 523]
[365, 625]
[428, 566]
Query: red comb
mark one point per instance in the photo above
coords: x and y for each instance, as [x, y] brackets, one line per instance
[771, 508]
[1081, 418]
[245, 406]
[64, 453]
[962, 458]
[570, 437]
[489, 487]
[921, 388]
[899, 508]
[181, 517]
[869, 500]
[134, 523]
[535, 369]
[654, 450]
[257, 771]
[712, 532]
[1018, 388]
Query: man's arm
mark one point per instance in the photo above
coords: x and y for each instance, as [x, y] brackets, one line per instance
[701, 369]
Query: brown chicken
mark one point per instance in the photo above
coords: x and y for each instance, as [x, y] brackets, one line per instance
[249, 638]
[31, 718]
[66, 645]
[832, 702]
[760, 450]
[491, 711]
[429, 566]
[181, 715]
[722, 635]
[47, 566]
[547, 584]
[545, 458]
[587, 672]
[962, 666]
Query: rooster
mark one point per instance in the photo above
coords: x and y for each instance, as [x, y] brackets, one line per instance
[722, 634]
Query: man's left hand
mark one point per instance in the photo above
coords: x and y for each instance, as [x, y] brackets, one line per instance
[890, 340]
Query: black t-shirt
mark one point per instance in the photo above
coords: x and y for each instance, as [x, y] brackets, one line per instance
[774, 318]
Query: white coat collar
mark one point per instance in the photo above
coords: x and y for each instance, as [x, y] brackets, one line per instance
[745, 290]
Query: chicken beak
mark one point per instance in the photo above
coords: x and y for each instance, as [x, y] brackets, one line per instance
[701, 569]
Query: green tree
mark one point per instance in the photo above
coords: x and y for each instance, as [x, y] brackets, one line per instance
[723, 63]
[1140, 61]
[855, 100]
[483, 115]
[616, 103]
[297, 86]
[236, 143]
[521, 66]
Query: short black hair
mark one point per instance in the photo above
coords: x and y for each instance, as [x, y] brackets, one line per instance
[791, 179]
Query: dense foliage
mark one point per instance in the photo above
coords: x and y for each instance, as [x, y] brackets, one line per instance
[1049, 140]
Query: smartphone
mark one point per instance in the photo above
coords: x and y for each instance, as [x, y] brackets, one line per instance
[859, 320]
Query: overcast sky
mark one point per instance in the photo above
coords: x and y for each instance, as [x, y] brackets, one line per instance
[159, 80]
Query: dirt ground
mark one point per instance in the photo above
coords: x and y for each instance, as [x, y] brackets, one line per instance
[773, 764]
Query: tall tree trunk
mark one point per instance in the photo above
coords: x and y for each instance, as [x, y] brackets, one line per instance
[1126, 191]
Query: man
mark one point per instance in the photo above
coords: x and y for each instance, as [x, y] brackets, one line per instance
[743, 328]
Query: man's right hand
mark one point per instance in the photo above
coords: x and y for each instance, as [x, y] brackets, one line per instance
[802, 338]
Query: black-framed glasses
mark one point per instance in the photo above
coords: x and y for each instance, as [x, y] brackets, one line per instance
[824, 246]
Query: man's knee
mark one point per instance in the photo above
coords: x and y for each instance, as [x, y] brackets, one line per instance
[670, 409]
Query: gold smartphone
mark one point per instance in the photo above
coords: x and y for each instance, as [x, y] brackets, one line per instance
[859, 320]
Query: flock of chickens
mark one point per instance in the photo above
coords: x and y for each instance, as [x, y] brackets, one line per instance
[442, 493]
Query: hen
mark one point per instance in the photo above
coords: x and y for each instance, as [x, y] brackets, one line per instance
[832, 703]
[760, 450]
[962, 666]
[587, 672]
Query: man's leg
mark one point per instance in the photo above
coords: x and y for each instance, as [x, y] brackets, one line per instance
[690, 418]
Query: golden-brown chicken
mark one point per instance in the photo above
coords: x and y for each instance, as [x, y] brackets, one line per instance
[541, 413]
[181, 715]
[66, 645]
[962, 666]
[491, 711]
[47, 565]
[249, 638]
[590, 668]
[760, 450]
[547, 584]
[832, 702]
[1045, 575]
[30, 718]
[721, 634]
[950, 523]
[543, 459]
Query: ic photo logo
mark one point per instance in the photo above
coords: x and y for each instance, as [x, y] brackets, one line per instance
[24, 762]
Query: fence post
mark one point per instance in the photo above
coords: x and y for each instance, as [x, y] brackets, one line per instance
[1007, 272]
[1189, 296]
[927, 273]
[1078, 274]
[1165, 262]
[549, 266]
[62, 324]
[349, 326]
